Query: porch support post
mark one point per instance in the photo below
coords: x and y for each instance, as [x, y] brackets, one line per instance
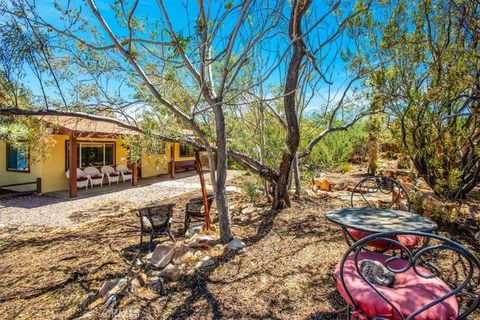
[172, 160]
[73, 166]
[134, 173]
[199, 167]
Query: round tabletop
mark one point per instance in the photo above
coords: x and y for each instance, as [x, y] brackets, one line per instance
[381, 220]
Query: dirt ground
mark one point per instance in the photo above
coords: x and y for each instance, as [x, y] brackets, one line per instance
[285, 271]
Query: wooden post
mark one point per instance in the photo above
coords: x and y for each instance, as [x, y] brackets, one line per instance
[204, 189]
[39, 185]
[134, 173]
[172, 160]
[73, 166]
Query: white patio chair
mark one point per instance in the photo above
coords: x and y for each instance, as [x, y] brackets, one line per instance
[111, 174]
[82, 178]
[96, 177]
[124, 172]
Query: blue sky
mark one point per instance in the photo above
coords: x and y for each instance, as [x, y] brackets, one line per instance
[182, 14]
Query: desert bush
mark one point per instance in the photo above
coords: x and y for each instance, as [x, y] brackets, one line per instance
[336, 148]
[344, 167]
[252, 190]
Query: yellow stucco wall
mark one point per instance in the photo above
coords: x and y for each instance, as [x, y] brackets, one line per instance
[11, 177]
[157, 165]
[52, 169]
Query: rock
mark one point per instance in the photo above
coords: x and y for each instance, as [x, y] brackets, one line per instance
[339, 186]
[162, 255]
[403, 173]
[194, 230]
[112, 287]
[236, 244]
[218, 246]
[477, 236]
[171, 272]
[433, 207]
[249, 210]
[202, 241]
[137, 264]
[156, 285]
[322, 184]
[390, 173]
[181, 253]
[205, 262]
[142, 277]
[135, 285]
[421, 184]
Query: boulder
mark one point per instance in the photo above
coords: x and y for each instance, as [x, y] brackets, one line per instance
[181, 253]
[171, 272]
[236, 244]
[194, 230]
[162, 255]
[156, 285]
[205, 262]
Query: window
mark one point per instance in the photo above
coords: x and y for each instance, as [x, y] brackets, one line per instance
[93, 154]
[17, 160]
[186, 150]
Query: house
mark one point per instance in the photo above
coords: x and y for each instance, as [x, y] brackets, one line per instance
[98, 142]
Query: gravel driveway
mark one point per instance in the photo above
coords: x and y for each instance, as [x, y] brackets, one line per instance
[55, 210]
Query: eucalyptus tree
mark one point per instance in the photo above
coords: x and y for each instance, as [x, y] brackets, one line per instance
[429, 80]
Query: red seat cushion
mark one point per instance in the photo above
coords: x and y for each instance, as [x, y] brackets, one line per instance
[113, 174]
[82, 178]
[97, 177]
[409, 241]
[409, 293]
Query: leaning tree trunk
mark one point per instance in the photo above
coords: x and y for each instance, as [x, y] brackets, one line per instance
[281, 198]
[220, 190]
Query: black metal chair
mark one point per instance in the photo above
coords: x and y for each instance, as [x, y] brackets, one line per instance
[420, 291]
[380, 192]
[195, 211]
[156, 221]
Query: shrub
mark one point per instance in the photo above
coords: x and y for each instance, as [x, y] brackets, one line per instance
[336, 148]
[252, 190]
[344, 167]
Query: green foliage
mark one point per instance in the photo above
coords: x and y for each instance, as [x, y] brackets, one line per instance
[344, 167]
[429, 85]
[29, 135]
[336, 148]
[252, 190]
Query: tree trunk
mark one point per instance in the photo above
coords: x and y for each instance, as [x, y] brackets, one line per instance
[296, 177]
[220, 192]
[281, 198]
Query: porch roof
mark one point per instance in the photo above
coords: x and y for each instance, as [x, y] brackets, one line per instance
[77, 123]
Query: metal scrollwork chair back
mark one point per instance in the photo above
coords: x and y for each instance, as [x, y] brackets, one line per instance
[420, 291]
[380, 192]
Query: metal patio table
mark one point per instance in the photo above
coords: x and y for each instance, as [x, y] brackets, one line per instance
[381, 220]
